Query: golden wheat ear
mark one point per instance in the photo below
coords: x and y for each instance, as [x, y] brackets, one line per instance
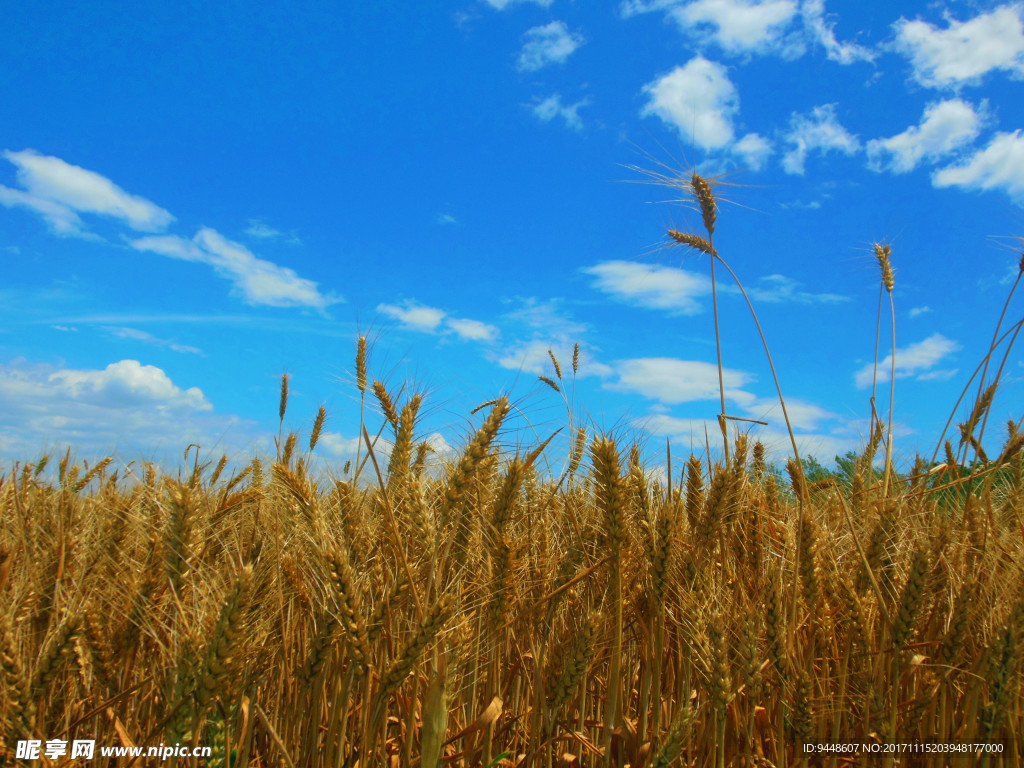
[227, 642]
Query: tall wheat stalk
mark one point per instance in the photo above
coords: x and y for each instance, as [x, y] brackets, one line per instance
[882, 253]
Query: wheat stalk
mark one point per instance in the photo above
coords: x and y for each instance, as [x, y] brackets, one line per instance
[226, 644]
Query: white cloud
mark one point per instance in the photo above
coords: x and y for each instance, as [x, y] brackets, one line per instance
[546, 316]
[446, 218]
[145, 337]
[413, 316]
[59, 191]
[683, 430]
[918, 311]
[803, 415]
[672, 381]
[441, 449]
[552, 107]
[633, 7]
[818, 431]
[999, 166]
[776, 289]
[472, 330]
[916, 360]
[698, 100]
[945, 126]
[545, 325]
[127, 383]
[651, 285]
[419, 317]
[824, 445]
[549, 44]
[62, 220]
[263, 231]
[754, 150]
[738, 25]
[532, 357]
[339, 449]
[822, 32]
[173, 246]
[655, 286]
[965, 51]
[818, 131]
[944, 374]
[258, 281]
[342, 448]
[800, 205]
[126, 406]
[756, 26]
[503, 4]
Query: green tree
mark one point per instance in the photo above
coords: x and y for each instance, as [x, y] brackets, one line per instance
[814, 471]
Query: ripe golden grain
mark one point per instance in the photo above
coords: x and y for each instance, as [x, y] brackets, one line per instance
[387, 619]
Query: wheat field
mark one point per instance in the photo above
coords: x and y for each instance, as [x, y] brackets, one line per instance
[491, 612]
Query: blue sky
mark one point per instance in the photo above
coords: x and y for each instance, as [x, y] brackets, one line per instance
[198, 197]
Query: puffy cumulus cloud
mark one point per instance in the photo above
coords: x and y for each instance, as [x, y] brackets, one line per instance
[419, 317]
[818, 431]
[698, 100]
[803, 415]
[818, 131]
[334, 449]
[916, 361]
[536, 326]
[945, 127]
[530, 356]
[785, 28]
[672, 381]
[124, 384]
[552, 107]
[651, 285]
[753, 150]
[62, 220]
[548, 44]
[341, 448]
[59, 191]
[126, 406]
[414, 316]
[441, 451]
[966, 50]
[834, 440]
[680, 430]
[999, 166]
[257, 281]
[472, 330]
[822, 32]
[679, 291]
[823, 445]
[534, 357]
[738, 26]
